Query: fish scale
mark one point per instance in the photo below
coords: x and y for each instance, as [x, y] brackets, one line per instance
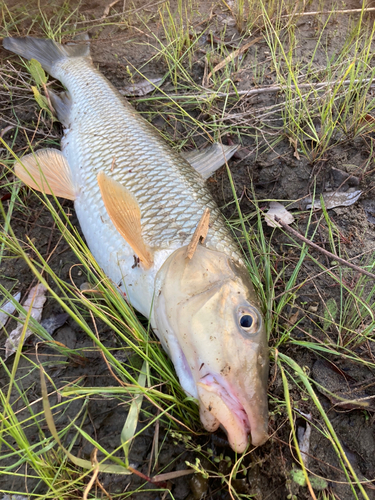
[153, 172]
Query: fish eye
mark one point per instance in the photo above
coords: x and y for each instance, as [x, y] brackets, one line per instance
[246, 321]
[249, 320]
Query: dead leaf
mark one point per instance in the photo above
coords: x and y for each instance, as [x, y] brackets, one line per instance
[36, 299]
[54, 322]
[292, 320]
[14, 497]
[343, 391]
[233, 44]
[227, 20]
[293, 142]
[8, 309]
[277, 210]
[6, 130]
[172, 475]
[369, 119]
[205, 73]
[232, 56]
[335, 199]
[141, 88]
[303, 434]
[108, 8]
[89, 289]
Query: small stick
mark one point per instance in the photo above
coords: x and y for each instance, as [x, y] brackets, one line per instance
[233, 55]
[6, 130]
[322, 250]
[95, 464]
[52, 109]
[319, 12]
[108, 8]
[113, 163]
[98, 483]
[272, 88]
[131, 11]
[152, 480]
[199, 234]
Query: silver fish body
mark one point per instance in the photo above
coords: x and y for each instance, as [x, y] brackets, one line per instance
[171, 194]
[103, 133]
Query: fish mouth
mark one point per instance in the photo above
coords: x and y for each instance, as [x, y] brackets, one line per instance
[221, 406]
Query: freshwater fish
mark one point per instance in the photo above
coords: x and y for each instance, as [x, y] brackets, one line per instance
[139, 203]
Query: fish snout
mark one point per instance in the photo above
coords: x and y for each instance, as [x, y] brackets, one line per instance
[221, 404]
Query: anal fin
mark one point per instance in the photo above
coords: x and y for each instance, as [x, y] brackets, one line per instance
[125, 214]
[62, 103]
[48, 171]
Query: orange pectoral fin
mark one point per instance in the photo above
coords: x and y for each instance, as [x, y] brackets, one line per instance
[125, 214]
[47, 170]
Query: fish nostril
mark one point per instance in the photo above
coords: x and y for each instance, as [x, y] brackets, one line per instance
[261, 360]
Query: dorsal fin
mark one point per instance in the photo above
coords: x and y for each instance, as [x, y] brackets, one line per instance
[199, 235]
[47, 170]
[123, 210]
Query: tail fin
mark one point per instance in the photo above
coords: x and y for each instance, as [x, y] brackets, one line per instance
[46, 51]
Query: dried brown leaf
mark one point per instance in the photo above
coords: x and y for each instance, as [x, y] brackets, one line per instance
[232, 56]
[335, 199]
[35, 300]
[277, 210]
[141, 88]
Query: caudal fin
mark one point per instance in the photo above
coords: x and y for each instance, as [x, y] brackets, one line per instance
[46, 51]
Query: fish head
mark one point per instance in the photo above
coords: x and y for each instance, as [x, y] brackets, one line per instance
[208, 318]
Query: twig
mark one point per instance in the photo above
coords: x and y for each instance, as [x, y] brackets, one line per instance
[94, 463]
[98, 483]
[131, 11]
[322, 250]
[328, 270]
[232, 56]
[120, 382]
[319, 12]
[108, 8]
[271, 88]
[6, 130]
[35, 131]
[152, 480]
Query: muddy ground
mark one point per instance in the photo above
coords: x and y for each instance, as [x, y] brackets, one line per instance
[274, 174]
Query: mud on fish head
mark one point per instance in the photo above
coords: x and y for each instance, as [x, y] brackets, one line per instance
[208, 318]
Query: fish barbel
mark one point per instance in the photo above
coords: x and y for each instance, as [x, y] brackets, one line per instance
[137, 200]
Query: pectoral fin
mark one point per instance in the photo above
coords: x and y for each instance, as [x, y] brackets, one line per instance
[47, 170]
[207, 161]
[123, 209]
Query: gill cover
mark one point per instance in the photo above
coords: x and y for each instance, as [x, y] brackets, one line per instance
[208, 319]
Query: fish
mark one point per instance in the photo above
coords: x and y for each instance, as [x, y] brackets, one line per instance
[140, 204]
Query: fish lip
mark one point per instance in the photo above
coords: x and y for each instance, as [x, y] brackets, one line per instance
[252, 423]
